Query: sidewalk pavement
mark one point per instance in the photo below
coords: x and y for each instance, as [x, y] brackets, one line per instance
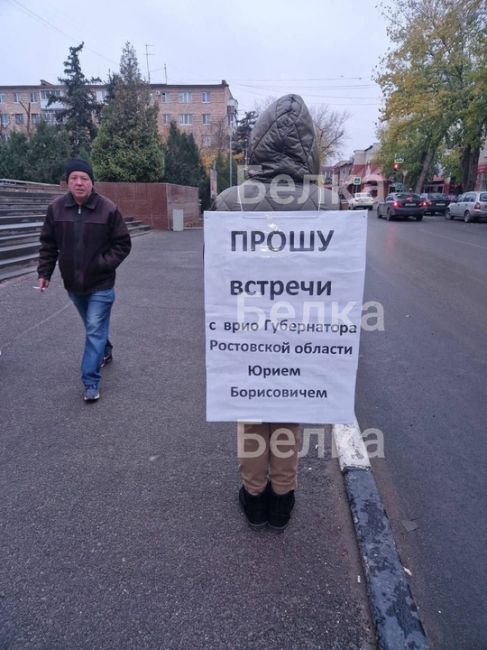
[120, 519]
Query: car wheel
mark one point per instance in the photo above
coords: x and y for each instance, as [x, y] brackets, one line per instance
[379, 216]
[467, 217]
[419, 217]
[389, 215]
[448, 214]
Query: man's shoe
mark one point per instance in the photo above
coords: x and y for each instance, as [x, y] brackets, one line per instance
[91, 394]
[280, 507]
[254, 507]
[108, 358]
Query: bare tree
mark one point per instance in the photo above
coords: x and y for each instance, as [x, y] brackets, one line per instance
[330, 130]
[26, 108]
[219, 134]
[260, 106]
[329, 126]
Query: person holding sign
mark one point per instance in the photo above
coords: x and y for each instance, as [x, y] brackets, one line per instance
[284, 167]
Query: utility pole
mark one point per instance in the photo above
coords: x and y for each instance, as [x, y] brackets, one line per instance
[231, 112]
[147, 55]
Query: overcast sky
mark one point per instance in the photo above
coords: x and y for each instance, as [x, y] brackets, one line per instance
[324, 50]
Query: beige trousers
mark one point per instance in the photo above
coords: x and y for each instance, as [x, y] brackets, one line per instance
[268, 452]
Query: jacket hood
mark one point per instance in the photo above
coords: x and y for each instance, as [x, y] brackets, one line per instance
[283, 141]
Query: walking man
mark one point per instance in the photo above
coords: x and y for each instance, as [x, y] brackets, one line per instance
[86, 233]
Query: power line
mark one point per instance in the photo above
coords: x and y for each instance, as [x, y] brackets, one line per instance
[31, 13]
[287, 83]
[305, 79]
[147, 55]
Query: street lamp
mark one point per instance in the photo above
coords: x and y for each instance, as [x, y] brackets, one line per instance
[231, 112]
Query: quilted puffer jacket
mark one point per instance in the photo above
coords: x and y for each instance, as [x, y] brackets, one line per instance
[283, 149]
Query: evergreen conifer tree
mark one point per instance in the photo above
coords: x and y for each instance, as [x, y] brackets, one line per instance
[127, 147]
[184, 165]
[80, 104]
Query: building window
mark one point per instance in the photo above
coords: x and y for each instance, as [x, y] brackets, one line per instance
[165, 98]
[49, 116]
[16, 98]
[46, 94]
[207, 141]
[166, 119]
[206, 97]
[184, 98]
[2, 98]
[36, 118]
[34, 97]
[206, 118]
[185, 119]
[4, 120]
[19, 118]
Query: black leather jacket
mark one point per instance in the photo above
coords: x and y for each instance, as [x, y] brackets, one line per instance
[89, 241]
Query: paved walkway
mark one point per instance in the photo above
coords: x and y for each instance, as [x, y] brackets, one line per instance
[120, 521]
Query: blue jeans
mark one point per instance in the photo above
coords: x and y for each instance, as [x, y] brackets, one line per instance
[94, 309]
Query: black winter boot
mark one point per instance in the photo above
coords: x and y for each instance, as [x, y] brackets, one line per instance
[280, 507]
[254, 507]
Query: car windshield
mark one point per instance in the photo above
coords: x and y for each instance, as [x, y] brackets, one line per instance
[437, 196]
[362, 195]
[403, 195]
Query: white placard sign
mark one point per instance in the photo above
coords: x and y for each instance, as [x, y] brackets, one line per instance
[283, 299]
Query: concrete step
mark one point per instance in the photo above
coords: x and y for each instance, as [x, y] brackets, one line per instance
[20, 260]
[28, 209]
[18, 238]
[36, 221]
[16, 250]
[18, 219]
[27, 194]
[21, 227]
[17, 271]
[139, 230]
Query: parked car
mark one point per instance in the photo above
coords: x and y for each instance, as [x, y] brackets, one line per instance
[401, 204]
[434, 202]
[361, 200]
[469, 207]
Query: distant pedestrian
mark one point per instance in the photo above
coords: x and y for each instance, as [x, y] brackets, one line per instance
[284, 148]
[87, 234]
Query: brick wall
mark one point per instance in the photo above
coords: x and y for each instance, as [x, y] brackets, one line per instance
[204, 108]
[153, 203]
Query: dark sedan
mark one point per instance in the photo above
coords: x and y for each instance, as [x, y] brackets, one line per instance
[401, 204]
[435, 202]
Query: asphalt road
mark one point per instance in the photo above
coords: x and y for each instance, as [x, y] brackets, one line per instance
[120, 525]
[422, 382]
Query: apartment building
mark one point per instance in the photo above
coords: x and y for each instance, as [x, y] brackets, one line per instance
[208, 111]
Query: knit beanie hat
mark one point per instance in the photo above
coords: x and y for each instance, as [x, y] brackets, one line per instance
[79, 165]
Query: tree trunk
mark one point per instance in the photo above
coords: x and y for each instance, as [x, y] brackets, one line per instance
[470, 159]
[427, 160]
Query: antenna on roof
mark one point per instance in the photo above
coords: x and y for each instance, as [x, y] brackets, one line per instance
[147, 59]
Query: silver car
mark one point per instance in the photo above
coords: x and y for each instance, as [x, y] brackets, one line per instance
[469, 207]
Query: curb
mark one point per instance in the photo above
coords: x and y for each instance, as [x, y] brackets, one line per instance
[392, 607]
